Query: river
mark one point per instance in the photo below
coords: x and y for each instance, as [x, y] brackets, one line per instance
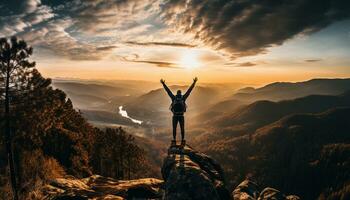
[123, 113]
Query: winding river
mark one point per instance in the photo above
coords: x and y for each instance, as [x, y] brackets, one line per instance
[123, 113]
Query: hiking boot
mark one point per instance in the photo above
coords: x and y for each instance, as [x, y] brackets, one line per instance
[173, 143]
[183, 143]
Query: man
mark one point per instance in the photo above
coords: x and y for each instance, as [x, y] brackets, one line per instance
[178, 108]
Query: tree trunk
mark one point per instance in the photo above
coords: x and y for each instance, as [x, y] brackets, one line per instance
[129, 165]
[8, 139]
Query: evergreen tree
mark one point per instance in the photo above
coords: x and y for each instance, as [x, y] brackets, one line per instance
[115, 154]
[15, 70]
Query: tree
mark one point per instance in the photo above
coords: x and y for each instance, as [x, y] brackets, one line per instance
[115, 154]
[15, 71]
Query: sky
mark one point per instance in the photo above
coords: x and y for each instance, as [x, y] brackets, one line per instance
[247, 41]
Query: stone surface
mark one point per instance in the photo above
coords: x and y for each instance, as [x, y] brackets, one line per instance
[249, 190]
[98, 187]
[271, 193]
[189, 174]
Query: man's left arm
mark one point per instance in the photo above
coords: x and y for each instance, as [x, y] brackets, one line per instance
[188, 92]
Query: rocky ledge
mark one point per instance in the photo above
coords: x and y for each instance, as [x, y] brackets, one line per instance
[187, 174]
[99, 187]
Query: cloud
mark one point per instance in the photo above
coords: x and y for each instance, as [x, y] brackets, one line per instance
[242, 28]
[104, 48]
[54, 37]
[247, 64]
[244, 64]
[96, 16]
[31, 5]
[172, 44]
[161, 64]
[93, 28]
[32, 13]
[312, 60]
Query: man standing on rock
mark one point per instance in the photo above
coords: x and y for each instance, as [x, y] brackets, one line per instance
[178, 108]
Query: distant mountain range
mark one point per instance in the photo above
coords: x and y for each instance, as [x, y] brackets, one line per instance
[261, 113]
[285, 90]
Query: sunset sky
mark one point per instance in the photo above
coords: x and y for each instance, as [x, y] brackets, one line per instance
[251, 41]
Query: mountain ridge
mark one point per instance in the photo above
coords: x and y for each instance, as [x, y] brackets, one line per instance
[263, 112]
[289, 90]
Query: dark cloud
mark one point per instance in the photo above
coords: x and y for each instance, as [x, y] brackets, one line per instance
[244, 64]
[19, 16]
[104, 15]
[248, 27]
[173, 44]
[47, 31]
[237, 27]
[313, 60]
[162, 64]
[104, 48]
[247, 64]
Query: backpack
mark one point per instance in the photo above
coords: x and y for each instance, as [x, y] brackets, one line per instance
[178, 106]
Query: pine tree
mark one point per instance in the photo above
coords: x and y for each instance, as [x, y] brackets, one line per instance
[15, 70]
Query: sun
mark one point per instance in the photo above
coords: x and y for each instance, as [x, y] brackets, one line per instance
[189, 60]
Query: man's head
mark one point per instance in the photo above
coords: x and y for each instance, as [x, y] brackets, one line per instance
[178, 92]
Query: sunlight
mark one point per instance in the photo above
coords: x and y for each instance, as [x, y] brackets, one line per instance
[189, 60]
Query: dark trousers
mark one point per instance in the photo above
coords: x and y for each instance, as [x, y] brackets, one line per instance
[179, 119]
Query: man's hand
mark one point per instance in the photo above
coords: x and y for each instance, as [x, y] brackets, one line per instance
[195, 79]
[162, 81]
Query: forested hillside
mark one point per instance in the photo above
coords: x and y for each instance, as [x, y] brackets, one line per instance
[49, 138]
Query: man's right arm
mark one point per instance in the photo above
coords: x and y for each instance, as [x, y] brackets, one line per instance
[171, 95]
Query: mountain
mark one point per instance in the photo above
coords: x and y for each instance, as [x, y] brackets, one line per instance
[92, 88]
[95, 96]
[218, 109]
[262, 113]
[102, 95]
[303, 154]
[285, 90]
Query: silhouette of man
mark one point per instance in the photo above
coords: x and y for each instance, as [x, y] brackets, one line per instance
[178, 108]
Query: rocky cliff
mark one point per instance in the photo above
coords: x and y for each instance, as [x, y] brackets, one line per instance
[187, 174]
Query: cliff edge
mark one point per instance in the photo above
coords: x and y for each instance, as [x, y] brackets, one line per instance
[187, 174]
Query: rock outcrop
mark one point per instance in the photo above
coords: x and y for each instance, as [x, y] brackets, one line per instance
[98, 187]
[192, 175]
[249, 190]
[187, 174]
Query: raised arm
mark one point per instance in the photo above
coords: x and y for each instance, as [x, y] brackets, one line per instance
[188, 92]
[171, 95]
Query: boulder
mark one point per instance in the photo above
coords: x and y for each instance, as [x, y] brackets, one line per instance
[99, 187]
[189, 174]
[271, 194]
[249, 190]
